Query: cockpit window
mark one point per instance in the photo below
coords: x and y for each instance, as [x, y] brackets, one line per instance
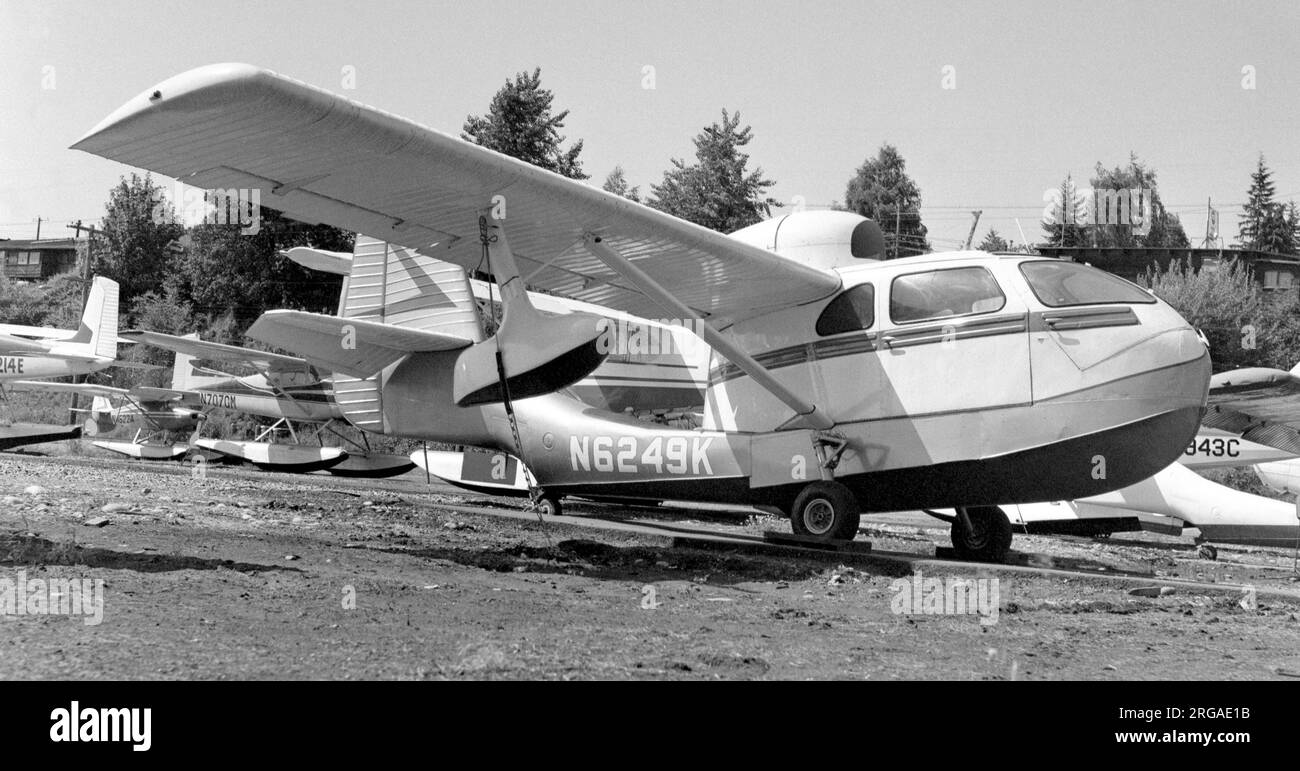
[939, 294]
[854, 309]
[1057, 284]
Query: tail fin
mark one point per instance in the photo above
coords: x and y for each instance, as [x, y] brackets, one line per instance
[101, 405]
[98, 328]
[184, 375]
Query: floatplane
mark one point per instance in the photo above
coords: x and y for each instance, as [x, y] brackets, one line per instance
[40, 352]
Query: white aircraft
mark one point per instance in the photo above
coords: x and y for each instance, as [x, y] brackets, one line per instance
[40, 352]
[964, 379]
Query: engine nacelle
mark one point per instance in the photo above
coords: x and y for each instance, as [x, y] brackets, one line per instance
[819, 239]
[541, 355]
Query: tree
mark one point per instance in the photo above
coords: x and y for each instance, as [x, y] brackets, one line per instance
[1244, 325]
[519, 123]
[139, 223]
[717, 191]
[881, 190]
[617, 184]
[1061, 222]
[225, 271]
[1259, 204]
[1163, 230]
[994, 243]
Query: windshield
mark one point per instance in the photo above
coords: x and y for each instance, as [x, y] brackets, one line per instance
[1057, 284]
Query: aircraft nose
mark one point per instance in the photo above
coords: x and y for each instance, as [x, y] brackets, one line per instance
[1133, 376]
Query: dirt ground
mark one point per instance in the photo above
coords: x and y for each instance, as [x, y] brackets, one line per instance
[250, 575]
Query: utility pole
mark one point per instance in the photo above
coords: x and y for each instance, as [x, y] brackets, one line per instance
[972, 227]
[898, 231]
[38, 228]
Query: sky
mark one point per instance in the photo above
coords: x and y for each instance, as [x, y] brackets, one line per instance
[991, 104]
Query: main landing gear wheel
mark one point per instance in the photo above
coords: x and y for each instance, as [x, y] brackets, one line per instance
[988, 537]
[1207, 551]
[549, 506]
[825, 510]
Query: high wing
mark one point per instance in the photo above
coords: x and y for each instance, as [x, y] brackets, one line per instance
[190, 346]
[86, 389]
[17, 346]
[321, 158]
[1259, 404]
[139, 395]
[41, 333]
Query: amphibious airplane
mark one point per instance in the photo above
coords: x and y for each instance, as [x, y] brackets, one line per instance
[964, 379]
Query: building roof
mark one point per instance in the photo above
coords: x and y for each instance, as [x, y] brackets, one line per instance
[43, 244]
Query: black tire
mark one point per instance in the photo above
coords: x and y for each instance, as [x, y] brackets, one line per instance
[989, 538]
[826, 510]
[549, 506]
[1207, 551]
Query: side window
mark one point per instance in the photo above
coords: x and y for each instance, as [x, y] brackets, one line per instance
[942, 293]
[854, 309]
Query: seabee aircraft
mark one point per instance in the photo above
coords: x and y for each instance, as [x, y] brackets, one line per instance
[961, 380]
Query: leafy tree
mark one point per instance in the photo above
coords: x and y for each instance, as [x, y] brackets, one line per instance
[717, 191]
[139, 223]
[519, 123]
[881, 190]
[1164, 231]
[617, 184]
[1258, 206]
[225, 271]
[1245, 326]
[994, 243]
[1061, 225]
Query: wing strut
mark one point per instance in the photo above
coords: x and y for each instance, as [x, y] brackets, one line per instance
[806, 413]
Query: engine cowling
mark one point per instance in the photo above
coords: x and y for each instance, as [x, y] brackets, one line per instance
[819, 239]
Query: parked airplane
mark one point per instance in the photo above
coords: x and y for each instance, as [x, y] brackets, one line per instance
[156, 413]
[286, 389]
[886, 386]
[39, 352]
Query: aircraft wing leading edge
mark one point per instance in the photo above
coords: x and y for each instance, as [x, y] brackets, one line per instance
[322, 158]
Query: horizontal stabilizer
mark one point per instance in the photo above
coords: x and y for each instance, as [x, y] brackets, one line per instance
[199, 349]
[350, 346]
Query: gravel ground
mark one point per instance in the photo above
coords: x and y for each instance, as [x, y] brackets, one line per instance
[250, 575]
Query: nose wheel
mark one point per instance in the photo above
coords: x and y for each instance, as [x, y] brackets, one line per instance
[981, 534]
[825, 510]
